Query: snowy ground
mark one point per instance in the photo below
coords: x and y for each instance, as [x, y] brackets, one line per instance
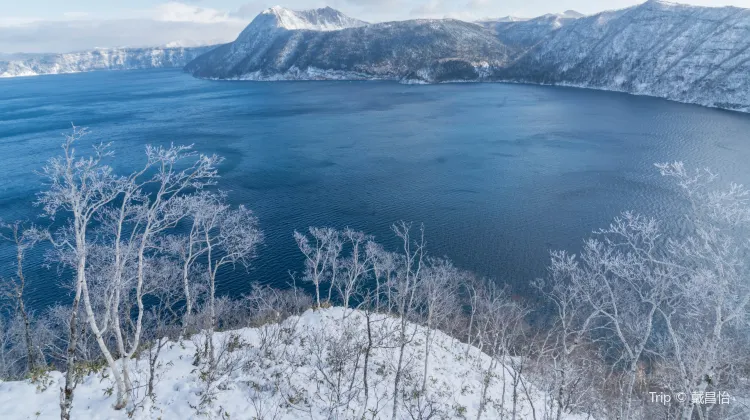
[291, 371]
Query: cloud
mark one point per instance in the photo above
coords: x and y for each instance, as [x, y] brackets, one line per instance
[66, 36]
[249, 10]
[172, 23]
[16, 21]
[432, 8]
[437, 9]
[76, 15]
[192, 22]
[181, 12]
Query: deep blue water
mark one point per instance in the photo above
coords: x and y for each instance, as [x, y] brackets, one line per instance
[500, 174]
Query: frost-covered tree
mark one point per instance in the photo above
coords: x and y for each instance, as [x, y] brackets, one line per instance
[152, 202]
[354, 269]
[498, 324]
[230, 237]
[711, 310]
[76, 189]
[384, 268]
[640, 307]
[118, 219]
[438, 289]
[321, 253]
[404, 295]
[567, 361]
[647, 296]
[23, 236]
[624, 277]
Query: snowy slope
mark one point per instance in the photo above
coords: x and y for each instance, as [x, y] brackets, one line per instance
[273, 48]
[99, 59]
[277, 369]
[690, 54]
[523, 34]
[325, 19]
[685, 53]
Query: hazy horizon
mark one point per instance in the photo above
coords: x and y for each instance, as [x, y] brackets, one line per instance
[46, 26]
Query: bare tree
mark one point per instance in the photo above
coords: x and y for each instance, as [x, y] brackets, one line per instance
[337, 357]
[80, 187]
[321, 255]
[86, 191]
[625, 278]
[191, 247]
[712, 307]
[24, 237]
[404, 295]
[231, 237]
[498, 325]
[150, 215]
[644, 294]
[574, 323]
[471, 285]
[384, 267]
[356, 268]
[438, 288]
[162, 321]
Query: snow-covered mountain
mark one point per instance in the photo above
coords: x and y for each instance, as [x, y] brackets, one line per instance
[283, 44]
[685, 53]
[571, 14]
[508, 18]
[325, 19]
[99, 59]
[524, 34]
[293, 370]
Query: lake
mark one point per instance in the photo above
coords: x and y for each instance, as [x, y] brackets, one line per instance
[500, 174]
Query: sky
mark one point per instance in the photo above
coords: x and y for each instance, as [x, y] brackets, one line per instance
[34, 26]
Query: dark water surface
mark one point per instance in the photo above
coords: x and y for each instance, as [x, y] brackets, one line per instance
[500, 174]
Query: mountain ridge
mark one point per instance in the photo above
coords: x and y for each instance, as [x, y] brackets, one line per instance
[684, 53]
[689, 54]
[322, 19]
[18, 65]
[267, 50]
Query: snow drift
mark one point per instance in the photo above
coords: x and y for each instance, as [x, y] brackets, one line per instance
[286, 371]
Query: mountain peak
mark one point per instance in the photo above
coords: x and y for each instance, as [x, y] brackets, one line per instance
[662, 4]
[572, 14]
[504, 19]
[323, 19]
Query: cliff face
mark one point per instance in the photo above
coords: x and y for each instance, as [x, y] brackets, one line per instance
[102, 59]
[527, 33]
[690, 54]
[684, 53]
[271, 49]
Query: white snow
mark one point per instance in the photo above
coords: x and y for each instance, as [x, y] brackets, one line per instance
[314, 20]
[277, 368]
[100, 59]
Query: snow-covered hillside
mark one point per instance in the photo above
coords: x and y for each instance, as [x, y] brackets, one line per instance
[271, 48]
[325, 19]
[685, 53]
[99, 59]
[292, 370]
[523, 34]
